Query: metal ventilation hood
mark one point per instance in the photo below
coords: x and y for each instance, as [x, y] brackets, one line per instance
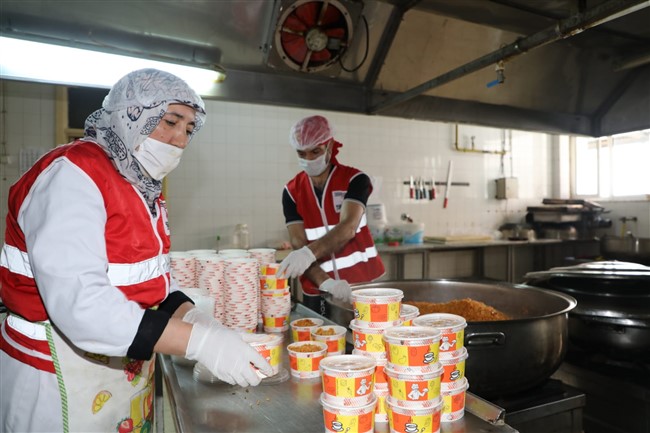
[556, 66]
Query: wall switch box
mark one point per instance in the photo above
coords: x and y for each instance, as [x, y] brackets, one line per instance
[507, 187]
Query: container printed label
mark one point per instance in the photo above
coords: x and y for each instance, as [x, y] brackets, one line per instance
[348, 387]
[414, 390]
[414, 423]
[413, 355]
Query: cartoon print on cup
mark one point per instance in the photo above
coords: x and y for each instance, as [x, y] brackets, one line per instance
[445, 344]
[359, 343]
[429, 357]
[363, 387]
[415, 393]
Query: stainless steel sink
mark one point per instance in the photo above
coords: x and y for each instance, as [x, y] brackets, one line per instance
[627, 248]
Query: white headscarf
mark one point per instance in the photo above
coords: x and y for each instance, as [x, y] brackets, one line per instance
[130, 112]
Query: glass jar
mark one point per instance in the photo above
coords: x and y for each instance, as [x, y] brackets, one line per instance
[241, 237]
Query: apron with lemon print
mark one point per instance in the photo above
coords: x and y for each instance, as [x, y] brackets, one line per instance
[101, 393]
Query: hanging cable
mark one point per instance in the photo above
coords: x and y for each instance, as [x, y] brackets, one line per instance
[365, 56]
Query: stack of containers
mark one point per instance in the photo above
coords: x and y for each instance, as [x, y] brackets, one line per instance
[210, 276]
[414, 377]
[375, 310]
[241, 293]
[275, 299]
[183, 268]
[348, 399]
[264, 256]
[452, 357]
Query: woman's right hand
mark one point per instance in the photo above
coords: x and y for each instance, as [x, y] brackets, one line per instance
[226, 355]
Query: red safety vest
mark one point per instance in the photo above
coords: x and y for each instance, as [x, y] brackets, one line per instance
[134, 249]
[358, 261]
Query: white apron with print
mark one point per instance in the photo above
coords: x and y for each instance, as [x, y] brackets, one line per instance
[101, 393]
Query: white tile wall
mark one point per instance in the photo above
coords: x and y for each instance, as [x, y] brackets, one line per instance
[236, 168]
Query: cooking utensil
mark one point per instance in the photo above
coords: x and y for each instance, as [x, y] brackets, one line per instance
[411, 187]
[448, 187]
[505, 356]
[613, 312]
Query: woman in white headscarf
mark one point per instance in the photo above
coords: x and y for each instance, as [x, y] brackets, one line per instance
[85, 272]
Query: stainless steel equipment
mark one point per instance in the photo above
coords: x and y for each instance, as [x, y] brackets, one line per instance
[627, 248]
[613, 312]
[505, 357]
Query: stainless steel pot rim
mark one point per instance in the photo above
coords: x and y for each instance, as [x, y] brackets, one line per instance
[570, 300]
[616, 319]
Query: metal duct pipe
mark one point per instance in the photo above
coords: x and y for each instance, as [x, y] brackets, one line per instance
[561, 30]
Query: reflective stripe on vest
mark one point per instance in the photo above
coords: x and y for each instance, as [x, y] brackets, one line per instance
[319, 232]
[349, 260]
[119, 274]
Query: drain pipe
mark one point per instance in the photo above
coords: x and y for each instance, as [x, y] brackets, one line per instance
[563, 29]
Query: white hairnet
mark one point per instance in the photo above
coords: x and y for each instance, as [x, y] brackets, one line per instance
[310, 132]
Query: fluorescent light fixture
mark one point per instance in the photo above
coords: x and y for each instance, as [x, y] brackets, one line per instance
[46, 63]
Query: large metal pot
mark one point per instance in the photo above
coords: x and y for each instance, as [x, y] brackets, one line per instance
[507, 356]
[613, 312]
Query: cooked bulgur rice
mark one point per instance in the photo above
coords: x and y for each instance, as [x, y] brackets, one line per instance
[323, 331]
[305, 347]
[304, 322]
[471, 310]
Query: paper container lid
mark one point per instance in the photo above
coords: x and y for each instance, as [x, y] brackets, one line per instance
[412, 335]
[377, 296]
[257, 340]
[453, 388]
[347, 363]
[409, 311]
[356, 325]
[443, 321]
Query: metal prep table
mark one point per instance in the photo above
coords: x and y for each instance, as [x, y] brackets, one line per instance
[291, 406]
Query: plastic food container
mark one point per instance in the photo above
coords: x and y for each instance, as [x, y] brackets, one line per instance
[408, 313]
[349, 419]
[409, 386]
[451, 326]
[454, 402]
[413, 417]
[453, 366]
[269, 346]
[377, 305]
[335, 342]
[367, 339]
[303, 333]
[412, 346]
[303, 364]
[348, 379]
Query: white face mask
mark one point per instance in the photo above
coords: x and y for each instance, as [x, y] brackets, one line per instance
[315, 166]
[158, 158]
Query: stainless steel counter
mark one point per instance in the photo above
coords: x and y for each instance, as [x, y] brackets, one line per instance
[291, 406]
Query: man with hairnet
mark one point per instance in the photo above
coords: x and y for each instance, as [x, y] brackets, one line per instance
[324, 207]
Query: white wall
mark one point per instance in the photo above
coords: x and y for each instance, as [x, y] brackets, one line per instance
[235, 169]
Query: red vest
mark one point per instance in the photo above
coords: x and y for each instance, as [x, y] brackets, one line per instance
[358, 261]
[136, 251]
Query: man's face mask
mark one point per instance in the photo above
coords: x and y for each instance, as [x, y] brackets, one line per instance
[157, 158]
[315, 166]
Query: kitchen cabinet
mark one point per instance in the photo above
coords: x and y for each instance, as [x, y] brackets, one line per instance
[499, 260]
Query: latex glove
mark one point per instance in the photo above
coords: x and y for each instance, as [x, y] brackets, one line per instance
[226, 355]
[340, 289]
[196, 315]
[296, 263]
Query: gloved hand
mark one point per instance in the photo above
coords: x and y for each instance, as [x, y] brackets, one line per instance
[196, 315]
[296, 263]
[226, 355]
[340, 289]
